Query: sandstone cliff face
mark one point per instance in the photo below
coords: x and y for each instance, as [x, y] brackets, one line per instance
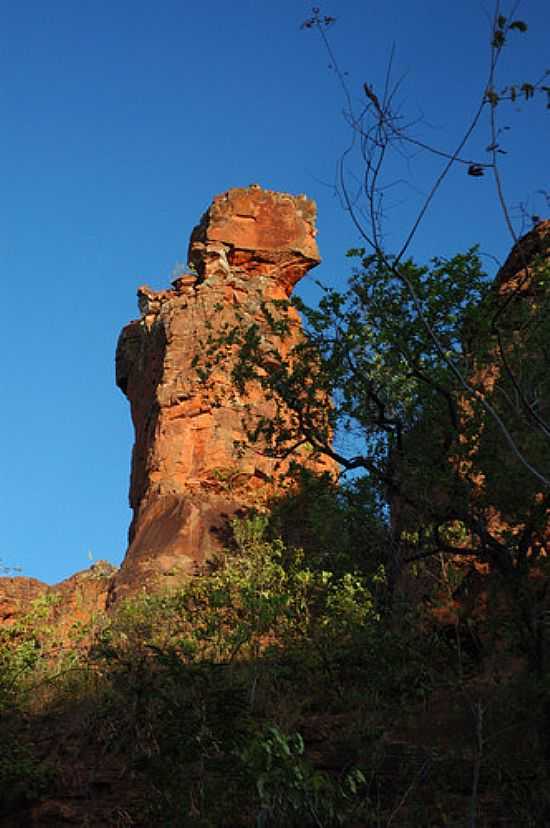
[17, 593]
[515, 275]
[188, 478]
[59, 607]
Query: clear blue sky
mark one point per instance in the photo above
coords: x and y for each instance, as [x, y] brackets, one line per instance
[120, 121]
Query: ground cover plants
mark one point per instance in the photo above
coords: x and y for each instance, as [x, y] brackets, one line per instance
[271, 691]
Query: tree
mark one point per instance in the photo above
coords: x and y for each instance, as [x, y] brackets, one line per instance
[439, 379]
[379, 130]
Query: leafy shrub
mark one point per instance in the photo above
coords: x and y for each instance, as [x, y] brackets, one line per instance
[23, 777]
[290, 791]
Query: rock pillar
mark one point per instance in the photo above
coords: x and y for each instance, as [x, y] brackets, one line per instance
[188, 475]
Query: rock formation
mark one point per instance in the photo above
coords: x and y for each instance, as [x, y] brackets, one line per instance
[188, 478]
[192, 469]
[74, 600]
[515, 275]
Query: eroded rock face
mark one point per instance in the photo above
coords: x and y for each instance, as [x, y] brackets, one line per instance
[74, 600]
[515, 274]
[17, 593]
[188, 477]
[260, 234]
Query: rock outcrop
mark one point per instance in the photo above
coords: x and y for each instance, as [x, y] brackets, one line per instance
[17, 594]
[516, 273]
[60, 607]
[188, 475]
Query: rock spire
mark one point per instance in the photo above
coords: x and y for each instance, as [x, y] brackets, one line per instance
[188, 479]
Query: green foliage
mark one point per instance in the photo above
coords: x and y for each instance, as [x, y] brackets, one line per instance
[21, 650]
[336, 526]
[290, 791]
[186, 677]
[225, 702]
[208, 701]
[372, 353]
[437, 382]
[23, 777]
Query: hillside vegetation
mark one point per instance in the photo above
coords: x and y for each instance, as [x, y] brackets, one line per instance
[275, 689]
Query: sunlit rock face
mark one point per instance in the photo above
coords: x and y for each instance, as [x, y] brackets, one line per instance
[516, 273]
[60, 607]
[16, 596]
[256, 233]
[188, 475]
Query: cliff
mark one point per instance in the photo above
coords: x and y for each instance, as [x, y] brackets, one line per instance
[192, 467]
[191, 470]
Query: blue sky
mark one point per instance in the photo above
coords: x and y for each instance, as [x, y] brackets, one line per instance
[121, 120]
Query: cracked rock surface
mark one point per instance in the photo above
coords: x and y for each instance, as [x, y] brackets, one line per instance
[188, 478]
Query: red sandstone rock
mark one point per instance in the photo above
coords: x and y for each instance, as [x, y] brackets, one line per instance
[72, 601]
[188, 479]
[78, 598]
[17, 595]
[516, 271]
[258, 233]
